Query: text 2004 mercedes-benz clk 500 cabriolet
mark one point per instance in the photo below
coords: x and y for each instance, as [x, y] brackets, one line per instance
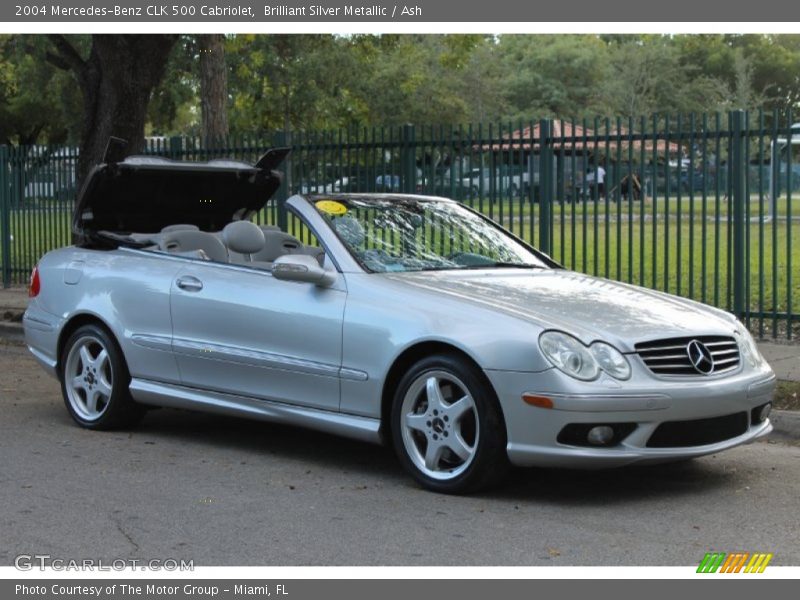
[408, 320]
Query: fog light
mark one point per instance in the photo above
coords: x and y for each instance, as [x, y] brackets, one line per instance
[764, 412]
[596, 434]
[600, 435]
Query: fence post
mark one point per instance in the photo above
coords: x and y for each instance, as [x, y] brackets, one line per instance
[176, 147]
[545, 183]
[739, 211]
[280, 140]
[408, 160]
[5, 215]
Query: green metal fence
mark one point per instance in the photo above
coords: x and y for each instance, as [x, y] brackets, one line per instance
[700, 206]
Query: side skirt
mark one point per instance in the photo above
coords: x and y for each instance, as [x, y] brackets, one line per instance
[173, 396]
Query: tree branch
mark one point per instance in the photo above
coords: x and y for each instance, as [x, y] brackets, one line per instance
[66, 56]
[56, 61]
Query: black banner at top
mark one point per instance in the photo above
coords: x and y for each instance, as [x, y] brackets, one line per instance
[378, 11]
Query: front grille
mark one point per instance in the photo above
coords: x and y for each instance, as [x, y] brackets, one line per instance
[680, 434]
[670, 356]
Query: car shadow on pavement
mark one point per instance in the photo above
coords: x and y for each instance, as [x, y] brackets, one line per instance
[574, 487]
[320, 450]
[261, 437]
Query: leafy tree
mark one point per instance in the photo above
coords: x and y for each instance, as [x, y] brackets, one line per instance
[288, 82]
[37, 102]
[324, 82]
[646, 75]
[758, 70]
[116, 79]
[482, 83]
[173, 107]
[549, 76]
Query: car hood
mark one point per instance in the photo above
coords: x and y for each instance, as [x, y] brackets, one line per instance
[589, 307]
[144, 194]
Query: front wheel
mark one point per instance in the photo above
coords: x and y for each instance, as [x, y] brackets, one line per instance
[447, 428]
[95, 379]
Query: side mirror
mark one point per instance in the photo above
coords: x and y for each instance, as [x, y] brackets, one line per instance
[301, 267]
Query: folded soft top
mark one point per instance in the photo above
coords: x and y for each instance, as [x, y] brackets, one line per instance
[144, 194]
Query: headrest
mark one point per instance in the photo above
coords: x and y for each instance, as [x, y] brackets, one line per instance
[243, 237]
[180, 227]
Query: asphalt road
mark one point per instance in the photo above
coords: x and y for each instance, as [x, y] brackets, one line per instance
[223, 491]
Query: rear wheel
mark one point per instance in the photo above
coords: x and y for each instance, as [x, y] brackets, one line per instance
[447, 428]
[95, 379]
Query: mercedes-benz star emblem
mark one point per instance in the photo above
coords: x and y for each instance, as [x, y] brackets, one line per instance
[700, 357]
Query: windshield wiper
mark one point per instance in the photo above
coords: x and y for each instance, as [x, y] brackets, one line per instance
[504, 265]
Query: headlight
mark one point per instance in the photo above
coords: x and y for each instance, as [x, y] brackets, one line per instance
[611, 360]
[748, 347]
[569, 355]
[576, 360]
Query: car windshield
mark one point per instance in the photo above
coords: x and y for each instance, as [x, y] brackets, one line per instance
[413, 234]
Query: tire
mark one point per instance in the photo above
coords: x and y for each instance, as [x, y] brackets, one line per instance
[95, 380]
[447, 428]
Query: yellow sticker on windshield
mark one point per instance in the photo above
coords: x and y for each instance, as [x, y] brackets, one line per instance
[332, 207]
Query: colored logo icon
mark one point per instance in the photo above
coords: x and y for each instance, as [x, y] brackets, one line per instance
[736, 562]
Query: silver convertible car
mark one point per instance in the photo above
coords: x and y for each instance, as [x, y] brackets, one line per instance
[406, 320]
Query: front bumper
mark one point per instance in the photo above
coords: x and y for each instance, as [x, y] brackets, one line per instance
[645, 402]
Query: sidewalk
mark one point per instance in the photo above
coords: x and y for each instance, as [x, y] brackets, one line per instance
[783, 358]
[12, 304]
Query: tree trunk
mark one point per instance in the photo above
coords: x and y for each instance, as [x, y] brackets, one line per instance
[116, 81]
[213, 88]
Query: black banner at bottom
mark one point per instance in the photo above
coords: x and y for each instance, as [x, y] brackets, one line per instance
[388, 589]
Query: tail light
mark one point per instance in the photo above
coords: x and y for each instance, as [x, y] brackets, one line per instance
[35, 285]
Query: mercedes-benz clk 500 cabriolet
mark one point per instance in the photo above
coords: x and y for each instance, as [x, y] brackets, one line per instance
[406, 320]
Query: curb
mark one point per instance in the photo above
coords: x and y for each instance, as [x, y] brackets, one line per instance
[11, 331]
[785, 423]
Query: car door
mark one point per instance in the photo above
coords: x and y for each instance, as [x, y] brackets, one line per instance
[239, 330]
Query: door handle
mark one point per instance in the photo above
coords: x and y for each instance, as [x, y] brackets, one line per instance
[189, 283]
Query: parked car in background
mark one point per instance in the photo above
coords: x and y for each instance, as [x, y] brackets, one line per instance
[388, 183]
[446, 185]
[407, 320]
[366, 181]
[315, 187]
[694, 180]
[503, 181]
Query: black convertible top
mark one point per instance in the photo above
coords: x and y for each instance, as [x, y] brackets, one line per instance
[143, 194]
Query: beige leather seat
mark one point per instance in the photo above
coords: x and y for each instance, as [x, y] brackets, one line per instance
[277, 243]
